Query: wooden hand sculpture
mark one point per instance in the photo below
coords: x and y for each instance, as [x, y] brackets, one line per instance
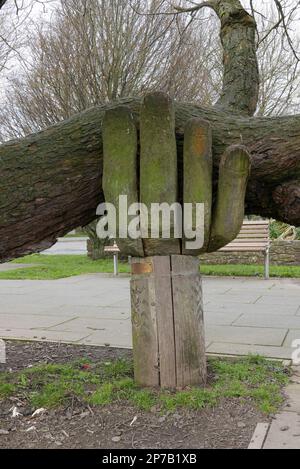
[144, 164]
[166, 292]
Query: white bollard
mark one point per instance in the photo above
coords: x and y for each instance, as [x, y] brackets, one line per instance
[116, 264]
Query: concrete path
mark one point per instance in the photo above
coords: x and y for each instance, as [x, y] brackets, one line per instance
[75, 246]
[8, 266]
[284, 431]
[242, 315]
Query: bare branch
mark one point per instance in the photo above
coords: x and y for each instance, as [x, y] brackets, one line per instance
[196, 8]
[285, 26]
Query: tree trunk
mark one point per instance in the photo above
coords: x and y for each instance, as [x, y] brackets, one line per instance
[51, 182]
[241, 76]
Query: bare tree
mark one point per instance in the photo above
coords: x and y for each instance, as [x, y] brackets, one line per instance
[10, 37]
[279, 70]
[94, 52]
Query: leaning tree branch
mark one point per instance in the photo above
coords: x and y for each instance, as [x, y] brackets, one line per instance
[51, 182]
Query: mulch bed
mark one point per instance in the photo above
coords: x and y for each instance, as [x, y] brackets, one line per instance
[228, 425]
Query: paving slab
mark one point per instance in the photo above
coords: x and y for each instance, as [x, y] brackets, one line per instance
[284, 300]
[284, 432]
[259, 436]
[43, 335]
[97, 312]
[67, 246]
[242, 298]
[21, 321]
[221, 348]
[123, 339]
[227, 306]
[246, 335]
[93, 324]
[221, 319]
[268, 320]
[292, 336]
[293, 398]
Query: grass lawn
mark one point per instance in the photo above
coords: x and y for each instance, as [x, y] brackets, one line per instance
[54, 267]
[251, 270]
[103, 383]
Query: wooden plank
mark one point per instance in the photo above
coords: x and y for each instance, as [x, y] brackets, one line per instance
[237, 244]
[254, 225]
[255, 229]
[158, 165]
[144, 329]
[228, 214]
[257, 235]
[253, 233]
[240, 244]
[153, 322]
[244, 234]
[120, 170]
[165, 320]
[251, 238]
[197, 171]
[188, 320]
[244, 249]
[256, 222]
[249, 241]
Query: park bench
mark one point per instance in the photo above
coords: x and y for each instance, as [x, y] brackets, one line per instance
[253, 237]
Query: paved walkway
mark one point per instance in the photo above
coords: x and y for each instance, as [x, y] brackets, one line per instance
[72, 245]
[284, 431]
[8, 266]
[242, 315]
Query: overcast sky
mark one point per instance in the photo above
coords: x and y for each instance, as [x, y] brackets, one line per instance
[42, 10]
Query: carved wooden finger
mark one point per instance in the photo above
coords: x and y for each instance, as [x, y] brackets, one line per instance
[120, 170]
[197, 186]
[228, 213]
[158, 165]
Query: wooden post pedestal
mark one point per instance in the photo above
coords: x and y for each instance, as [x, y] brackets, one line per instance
[167, 321]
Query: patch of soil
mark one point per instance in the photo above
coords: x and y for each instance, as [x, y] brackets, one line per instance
[229, 425]
[20, 355]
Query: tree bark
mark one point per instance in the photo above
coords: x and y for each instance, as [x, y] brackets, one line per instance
[51, 182]
[238, 37]
[241, 76]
